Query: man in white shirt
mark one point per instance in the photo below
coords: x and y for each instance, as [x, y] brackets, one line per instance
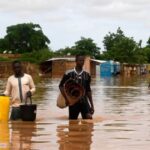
[19, 87]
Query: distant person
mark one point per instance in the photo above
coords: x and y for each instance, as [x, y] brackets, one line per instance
[85, 104]
[19, 87]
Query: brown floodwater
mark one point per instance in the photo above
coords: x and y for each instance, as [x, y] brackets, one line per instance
[121, 120]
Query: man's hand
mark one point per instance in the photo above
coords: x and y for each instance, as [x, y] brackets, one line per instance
[92, 110]
[29, 94]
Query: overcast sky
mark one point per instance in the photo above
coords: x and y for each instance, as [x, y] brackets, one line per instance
[65, 21]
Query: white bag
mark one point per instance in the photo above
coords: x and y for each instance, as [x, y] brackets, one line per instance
[61, 102]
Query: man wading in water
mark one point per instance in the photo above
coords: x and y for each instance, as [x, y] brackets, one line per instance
[19, 87]
[85, 104]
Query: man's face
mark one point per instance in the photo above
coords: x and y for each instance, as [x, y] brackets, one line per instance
[80, 61]
[17, 68]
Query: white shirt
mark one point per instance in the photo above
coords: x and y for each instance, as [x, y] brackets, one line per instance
[12, 88]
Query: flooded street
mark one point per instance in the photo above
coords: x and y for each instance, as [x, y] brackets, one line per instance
[121, 120]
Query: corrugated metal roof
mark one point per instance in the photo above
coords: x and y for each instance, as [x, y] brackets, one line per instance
[73, 59]
[68, 59]
[98, 61]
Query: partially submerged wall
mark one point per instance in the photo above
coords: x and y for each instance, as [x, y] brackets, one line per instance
[6, 69]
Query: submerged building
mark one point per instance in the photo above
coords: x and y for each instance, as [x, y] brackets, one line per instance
[56, 67]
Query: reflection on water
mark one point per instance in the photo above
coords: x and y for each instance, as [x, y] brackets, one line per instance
[4, 136]
[121, 120]
[75, 135]
[21, 135]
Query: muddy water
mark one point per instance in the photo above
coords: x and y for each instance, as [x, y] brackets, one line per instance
[121, 120]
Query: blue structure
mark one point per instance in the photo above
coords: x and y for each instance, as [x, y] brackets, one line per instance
[109, 68]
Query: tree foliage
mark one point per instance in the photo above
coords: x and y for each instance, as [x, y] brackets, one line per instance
[37, 56]
[121, 48]
[64, 52]
[29, 39]
[85, 46]
[3, 45]
[22, 38]
[148, 42]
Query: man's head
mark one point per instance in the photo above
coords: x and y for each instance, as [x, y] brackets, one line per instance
[80, 60]
[17, 68]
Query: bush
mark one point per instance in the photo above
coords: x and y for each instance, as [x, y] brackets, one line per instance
[37, 56]
[4, 59]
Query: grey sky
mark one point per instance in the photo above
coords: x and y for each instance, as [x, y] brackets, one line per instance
[65, 21]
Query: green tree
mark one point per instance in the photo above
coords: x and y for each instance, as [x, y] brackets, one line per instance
[148, 43]
[26, 37]
[3, 45]
[37, 56]
[121, 48]
[64, 52]
[146, 53]
[86, 46]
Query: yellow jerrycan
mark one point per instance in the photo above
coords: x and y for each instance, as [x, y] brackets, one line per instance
[4, 108]
[4, 136]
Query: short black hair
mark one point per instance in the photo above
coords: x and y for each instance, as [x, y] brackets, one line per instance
[16, 62]
[78, 55]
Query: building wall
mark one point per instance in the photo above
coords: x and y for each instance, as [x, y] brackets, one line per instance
[93, 69]
[11, 56]
[6, 69]
[128, 69]
[87, 65]
[70, 65]
[58, 68]
[148, 68]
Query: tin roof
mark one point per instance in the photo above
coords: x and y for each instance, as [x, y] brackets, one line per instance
[61, 58]
[98, 61]
[73, 59]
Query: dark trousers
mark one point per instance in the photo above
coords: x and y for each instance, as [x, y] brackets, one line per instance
[82, 107]
[15, 113]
